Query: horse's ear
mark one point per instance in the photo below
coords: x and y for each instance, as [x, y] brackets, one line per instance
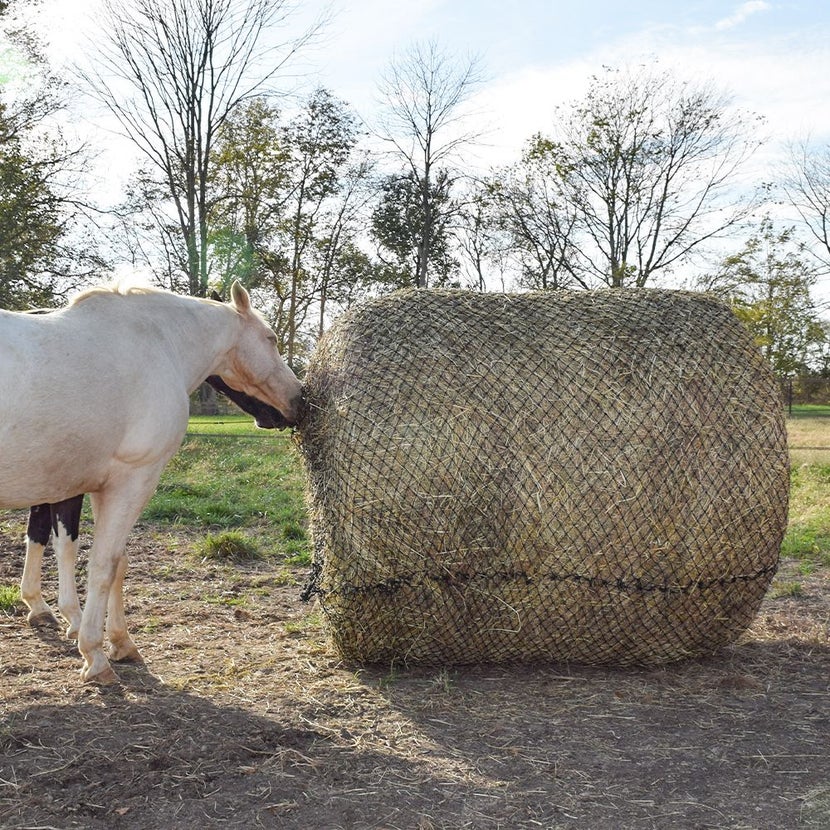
[239, 297]
[215, 297]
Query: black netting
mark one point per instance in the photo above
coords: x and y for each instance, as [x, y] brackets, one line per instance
[598, 477]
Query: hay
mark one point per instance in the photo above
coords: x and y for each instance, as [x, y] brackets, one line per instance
[593, 477]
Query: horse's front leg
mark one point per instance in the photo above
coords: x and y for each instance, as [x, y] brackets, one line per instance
[122, 647]
[37, 536]
[116, 510]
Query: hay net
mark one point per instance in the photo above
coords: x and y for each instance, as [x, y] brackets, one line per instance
[598, 477]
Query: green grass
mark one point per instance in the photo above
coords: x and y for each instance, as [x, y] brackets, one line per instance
[246, 480]
[9, 597]
[810, 410]
[808, 530]
[229, 545]
[230, 477]
[227, 425]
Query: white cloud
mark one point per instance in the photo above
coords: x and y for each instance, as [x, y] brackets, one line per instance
[742, 13]
[780, 76]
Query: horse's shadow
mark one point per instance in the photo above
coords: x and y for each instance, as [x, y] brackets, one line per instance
[479, 747]
[742, 732]
[140, 754]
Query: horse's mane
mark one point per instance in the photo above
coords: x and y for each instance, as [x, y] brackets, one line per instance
[122, 288]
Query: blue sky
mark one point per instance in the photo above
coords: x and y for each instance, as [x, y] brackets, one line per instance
[772, 55]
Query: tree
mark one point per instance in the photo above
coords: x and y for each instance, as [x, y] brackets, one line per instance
[398, 223]
[647, 165]
[287, 196]
[768, 284]
[42, 253]
[343, 271]
[807, 186]
[171, 72]
[423, 94]
[478, 242]
[320, 140]
[250, 183]
[539, 222]
[30, 227]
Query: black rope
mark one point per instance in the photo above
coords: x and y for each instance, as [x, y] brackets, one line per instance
[391, 586]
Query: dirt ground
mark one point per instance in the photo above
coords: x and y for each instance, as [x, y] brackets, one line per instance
[242, 716]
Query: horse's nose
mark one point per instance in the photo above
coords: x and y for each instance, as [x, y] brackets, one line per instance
[296, 409]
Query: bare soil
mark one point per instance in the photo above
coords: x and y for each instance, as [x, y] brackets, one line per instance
[243, 716]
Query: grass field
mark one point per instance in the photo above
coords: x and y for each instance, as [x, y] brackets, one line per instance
[243, 487]
[231, 476]
[808, 531]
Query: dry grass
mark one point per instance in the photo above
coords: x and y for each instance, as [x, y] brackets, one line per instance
[592, 477]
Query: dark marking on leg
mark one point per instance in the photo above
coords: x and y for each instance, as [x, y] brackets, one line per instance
[39, 527]
[68, 513]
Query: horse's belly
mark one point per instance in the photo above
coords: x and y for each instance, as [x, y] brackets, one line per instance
[48, 458]
[33, 476]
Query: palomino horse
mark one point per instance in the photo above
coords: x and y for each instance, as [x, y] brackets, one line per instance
[64, 519]
[94, 399]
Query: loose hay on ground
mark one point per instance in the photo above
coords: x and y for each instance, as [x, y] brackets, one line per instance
[595, 477]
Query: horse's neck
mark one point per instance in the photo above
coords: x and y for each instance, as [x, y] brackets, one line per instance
[196, 335]
[203, 334]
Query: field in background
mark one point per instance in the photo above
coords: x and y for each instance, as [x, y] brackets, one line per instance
[229, 475]
[231, 478]
[808, 530]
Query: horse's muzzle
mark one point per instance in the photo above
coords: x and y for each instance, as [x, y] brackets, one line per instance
[265, 415]
[296, 411]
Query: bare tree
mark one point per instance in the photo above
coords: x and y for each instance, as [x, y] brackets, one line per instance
[650, 167]
[539, 223]
[422, 93]
[807, 185]
[171, 72]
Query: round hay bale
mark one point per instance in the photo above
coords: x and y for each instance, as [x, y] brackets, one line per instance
[597, 477]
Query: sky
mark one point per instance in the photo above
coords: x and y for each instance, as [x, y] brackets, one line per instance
[771, 56]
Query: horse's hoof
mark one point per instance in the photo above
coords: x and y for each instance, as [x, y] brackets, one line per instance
[42, 619]
[105, 677]
[127, 653]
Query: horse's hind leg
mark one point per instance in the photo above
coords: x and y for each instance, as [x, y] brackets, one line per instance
[66, 522]
[37, 537]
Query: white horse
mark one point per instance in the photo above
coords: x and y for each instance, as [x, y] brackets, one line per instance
[94, 399]
[62, 522]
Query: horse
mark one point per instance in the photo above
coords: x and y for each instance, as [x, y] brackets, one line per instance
[62, 521]
[94, 399]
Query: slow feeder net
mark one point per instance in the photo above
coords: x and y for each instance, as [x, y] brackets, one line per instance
[595, 477]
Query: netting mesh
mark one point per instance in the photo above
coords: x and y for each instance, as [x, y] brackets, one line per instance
[594, 477]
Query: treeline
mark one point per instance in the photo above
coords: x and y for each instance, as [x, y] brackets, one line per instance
[641, 182]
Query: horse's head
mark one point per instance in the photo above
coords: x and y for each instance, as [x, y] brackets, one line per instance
[265, 416]
[255, 367]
